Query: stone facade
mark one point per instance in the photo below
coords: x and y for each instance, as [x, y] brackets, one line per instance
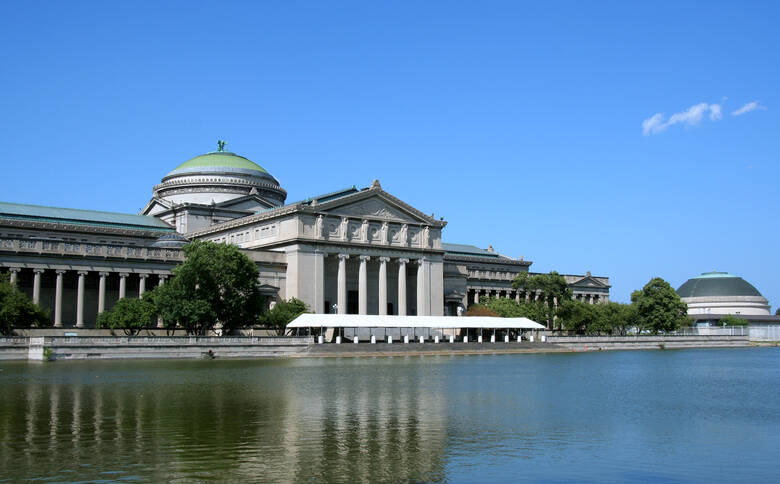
[359, 251]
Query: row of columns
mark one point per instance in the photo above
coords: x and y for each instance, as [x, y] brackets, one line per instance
[59, 284]
[422, 296]
[588, 298]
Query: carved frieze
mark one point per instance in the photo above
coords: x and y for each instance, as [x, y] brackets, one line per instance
[354, 231]
[308, 226]
[372, 208]
[415, 237]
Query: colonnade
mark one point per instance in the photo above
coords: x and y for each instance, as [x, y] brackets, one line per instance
[423, 293]
[80, 292]
[589, 298]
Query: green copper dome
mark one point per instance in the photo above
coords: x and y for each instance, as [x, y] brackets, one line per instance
[717, 284]
[220, 161]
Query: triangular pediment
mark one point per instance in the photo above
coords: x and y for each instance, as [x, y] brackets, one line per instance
[155, 206]
[249, 202]
[587, 281]
[377, 207]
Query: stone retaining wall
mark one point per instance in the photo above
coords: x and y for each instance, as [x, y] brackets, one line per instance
[105, 347]
[595, 343]
[108, 347]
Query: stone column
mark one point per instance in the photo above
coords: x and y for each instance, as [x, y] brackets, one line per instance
[319, 282]
[402, 286]
[80, 300]
[58, 300]
[341, 300]
[383, 285]
[14, 272]
[363, 285]
[160, 323]
[421, 300]
[123, 284]
[142, 285]
[102, 292]
[517, 296]
[476, 296]
[37, 285]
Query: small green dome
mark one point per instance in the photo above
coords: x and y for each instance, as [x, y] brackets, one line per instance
[218, 160]
[221, 163]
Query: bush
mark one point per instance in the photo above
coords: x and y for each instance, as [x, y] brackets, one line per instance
[731, 320]
[282, 313]
[130, 315]
[17, 311]
[480, 310]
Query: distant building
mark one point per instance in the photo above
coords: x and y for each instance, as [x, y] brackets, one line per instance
[355, 250]
[722, 293]
[713, 295]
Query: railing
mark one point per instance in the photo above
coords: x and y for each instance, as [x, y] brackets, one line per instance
[709, 331]
[89, 250]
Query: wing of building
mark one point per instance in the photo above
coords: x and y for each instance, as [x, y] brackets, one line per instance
[349, 251]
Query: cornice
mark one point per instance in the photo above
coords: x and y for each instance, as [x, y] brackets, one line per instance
[481, 260]
[86, 229]
[335, 246]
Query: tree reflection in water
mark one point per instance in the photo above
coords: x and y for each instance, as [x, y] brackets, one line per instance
[286, 420]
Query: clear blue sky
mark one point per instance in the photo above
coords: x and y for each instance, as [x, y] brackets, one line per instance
[528, 126]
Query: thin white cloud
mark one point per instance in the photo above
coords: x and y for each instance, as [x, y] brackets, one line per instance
[751, 106]
[653, 124]
[692, 116]
[715, 112]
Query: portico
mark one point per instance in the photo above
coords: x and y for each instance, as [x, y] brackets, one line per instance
[350, 252]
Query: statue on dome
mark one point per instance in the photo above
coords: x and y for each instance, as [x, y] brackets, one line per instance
[221, 145]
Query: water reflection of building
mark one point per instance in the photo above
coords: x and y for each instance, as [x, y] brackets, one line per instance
[358, 251]
[280, 421]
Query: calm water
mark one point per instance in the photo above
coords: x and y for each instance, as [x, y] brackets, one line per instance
[672, 416]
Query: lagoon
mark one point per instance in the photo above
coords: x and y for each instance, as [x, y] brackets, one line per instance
[698, 415]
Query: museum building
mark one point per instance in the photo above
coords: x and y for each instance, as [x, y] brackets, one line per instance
[350, 251]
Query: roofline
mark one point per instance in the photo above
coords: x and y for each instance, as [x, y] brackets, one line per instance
[449, 256]
[304, 207]
[150, 232]
[103, 212]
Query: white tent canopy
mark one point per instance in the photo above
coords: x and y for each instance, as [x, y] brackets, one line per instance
[438, 322]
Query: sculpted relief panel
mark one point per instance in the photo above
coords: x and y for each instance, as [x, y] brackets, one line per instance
[360, 230]
[308, 226]
[372, 208]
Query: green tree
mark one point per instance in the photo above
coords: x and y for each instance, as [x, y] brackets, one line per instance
[282, 313]
[130, 315]
[509, 308]
[580, 317]
[658, 307]
[16, 309]
[603, 318]
[731, 320]
[215, 285]
[618, 318]
[552, 290]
